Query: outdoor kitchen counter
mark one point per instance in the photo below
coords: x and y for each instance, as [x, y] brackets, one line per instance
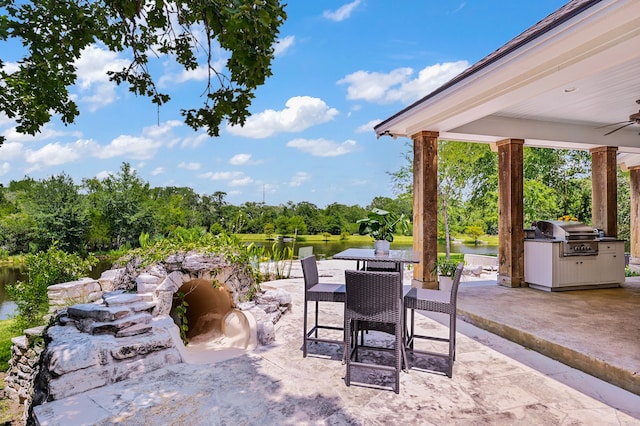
[545, 268]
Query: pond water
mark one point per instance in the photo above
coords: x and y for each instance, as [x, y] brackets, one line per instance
[10, 274]
[328, 249]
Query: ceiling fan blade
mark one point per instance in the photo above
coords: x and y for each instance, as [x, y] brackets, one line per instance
[629, 123]
[612, 124]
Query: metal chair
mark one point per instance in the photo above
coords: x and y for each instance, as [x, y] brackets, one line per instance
[435, 301]
[374, 302]
[315, 291]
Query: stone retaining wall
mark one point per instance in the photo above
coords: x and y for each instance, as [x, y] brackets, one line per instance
[24, 365]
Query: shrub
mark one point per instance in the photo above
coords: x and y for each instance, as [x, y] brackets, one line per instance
[44, 269]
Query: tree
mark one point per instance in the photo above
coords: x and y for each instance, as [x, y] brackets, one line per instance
[455, 177]
[57, 210]
[296, 225]
[123, 204]
[269, 229]
[474, 232]
[567, 174]
[624, 208]
[55, 34]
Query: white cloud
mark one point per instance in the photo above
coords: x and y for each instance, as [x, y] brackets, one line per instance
[189, 166]
[11, 150]
[368, 127]
[243, 160]
[283, 45]
[398, 85]
[157, 171]
[5, 120]
[135, 147]
[54, 154]
[4, 168]
[222, 175]
[301, 112]
[324, 148]
[103, 175]
[233, 178]
[10, 67]
[299, 178]
[201, 73]
[46, 132]
[143, 147]
[244, 181]
[93, 81]
[195, 141]
[342, 12]
[240, 159]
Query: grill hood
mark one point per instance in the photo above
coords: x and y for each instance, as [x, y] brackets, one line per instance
[565, 230]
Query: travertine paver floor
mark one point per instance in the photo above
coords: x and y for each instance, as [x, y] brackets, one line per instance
[275, 385]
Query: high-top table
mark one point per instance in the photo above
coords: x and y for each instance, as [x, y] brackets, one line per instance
[398, 258]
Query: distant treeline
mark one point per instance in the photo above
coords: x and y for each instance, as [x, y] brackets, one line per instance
[101, 215]
[106, 214]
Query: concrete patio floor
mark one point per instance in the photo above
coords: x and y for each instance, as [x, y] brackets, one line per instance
[495, 381]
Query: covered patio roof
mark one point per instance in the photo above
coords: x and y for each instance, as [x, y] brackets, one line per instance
[563, 83]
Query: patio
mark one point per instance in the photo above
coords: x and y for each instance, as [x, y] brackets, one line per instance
[494, 381]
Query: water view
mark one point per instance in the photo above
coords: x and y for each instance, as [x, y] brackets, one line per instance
[328, 249]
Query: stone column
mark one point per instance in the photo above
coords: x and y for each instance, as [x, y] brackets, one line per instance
[510, 213]
[634, 176]
[425, 207]
[604, 188]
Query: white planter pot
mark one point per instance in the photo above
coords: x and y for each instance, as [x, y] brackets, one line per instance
[445, 283]
[381, 246]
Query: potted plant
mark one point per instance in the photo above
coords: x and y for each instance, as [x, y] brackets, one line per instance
[446, 269]
[381, 225]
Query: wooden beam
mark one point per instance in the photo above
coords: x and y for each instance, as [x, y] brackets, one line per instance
[634, 189]
[425, 207]
[510, 213]
[604, 187]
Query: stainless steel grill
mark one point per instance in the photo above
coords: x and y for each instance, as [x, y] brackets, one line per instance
[577, 238]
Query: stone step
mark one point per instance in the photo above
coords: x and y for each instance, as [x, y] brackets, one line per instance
[113, 327]
[133, 330]
[97, 312]
[119, 299]
[142, 306]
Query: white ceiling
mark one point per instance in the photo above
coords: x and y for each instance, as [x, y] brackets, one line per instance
[558, 90]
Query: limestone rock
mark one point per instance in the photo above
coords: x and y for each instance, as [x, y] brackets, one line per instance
[97, 312]
[278, 296]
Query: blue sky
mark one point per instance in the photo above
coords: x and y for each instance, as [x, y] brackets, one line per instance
[340, 68]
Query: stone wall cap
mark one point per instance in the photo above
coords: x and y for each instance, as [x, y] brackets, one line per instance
[35, 331]
[81, 281]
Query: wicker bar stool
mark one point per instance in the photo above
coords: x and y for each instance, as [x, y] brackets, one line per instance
[315, 291]
[435, 301]
[374, 302]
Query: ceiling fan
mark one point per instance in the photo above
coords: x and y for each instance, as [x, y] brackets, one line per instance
[633, 119]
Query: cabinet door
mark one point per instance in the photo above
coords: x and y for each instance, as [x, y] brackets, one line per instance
[611, 262]
[578, 270]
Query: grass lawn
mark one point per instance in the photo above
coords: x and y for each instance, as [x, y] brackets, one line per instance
[8, 330]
